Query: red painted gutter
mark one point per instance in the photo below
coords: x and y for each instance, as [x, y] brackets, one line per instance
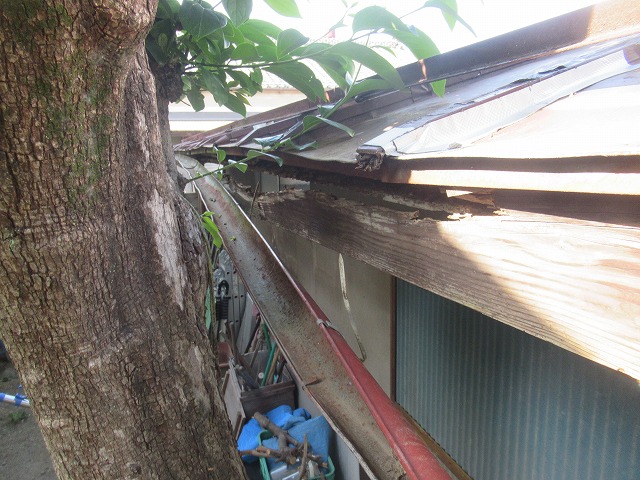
[417, 459]
[375, 426]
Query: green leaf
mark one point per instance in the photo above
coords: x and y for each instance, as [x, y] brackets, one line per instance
[220, 154]
[256, 36]
[449, 9]
[246, 52]
[239, 165]
[198, 20]
[227, 51]
[163, 41]
[157, 52]
[196, 99]
[212, 228]
[167, 8]
[371, 60]
[289, 40]
[299, 76]
[256, 76]
[288, 143]
[260, 31]
[210, 50]
[234, 104]
[267, 52]
[321, 54]
[327, 109]
[204, 46]
[167, 26]
[366, 85]
[438, 87]
[387, 48]
[375, 18]
[268, 141]
[334, 70]
[418, 42]
[311, 121]
[245, 81]
[215, 85]
[238, 10]
[251, 154]
[287, 8]
[232, 34]
[310, 50]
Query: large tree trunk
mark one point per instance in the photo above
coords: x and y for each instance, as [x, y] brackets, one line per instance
[101, 277]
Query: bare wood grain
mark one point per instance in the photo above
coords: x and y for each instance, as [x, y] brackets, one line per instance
[571, 282]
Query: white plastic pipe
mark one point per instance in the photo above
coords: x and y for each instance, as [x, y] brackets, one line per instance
[18, 400]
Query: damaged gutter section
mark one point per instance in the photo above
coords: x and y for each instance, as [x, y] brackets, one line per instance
[327, 368]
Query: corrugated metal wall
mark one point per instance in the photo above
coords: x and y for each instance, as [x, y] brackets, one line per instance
[506, 405]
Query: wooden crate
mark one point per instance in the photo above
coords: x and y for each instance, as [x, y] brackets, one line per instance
[243, 404]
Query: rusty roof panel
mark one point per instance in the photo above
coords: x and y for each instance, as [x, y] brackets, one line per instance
[549, 85]
[577, 126]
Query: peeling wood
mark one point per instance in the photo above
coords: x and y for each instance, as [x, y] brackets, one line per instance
[571, 282]
[423, 198]
[603, 182]
[481, 196]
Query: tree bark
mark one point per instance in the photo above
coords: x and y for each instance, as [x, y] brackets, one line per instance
[102, 264]
[168, 79]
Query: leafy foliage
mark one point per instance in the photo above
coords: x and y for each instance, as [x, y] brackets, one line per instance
[212, 229]
[288, 8]
[200, 19]
[224, 51]
[449, 9]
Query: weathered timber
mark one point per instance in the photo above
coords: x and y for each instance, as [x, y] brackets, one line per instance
[571, 282]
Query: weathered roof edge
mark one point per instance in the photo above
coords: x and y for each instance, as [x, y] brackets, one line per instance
[596, 23]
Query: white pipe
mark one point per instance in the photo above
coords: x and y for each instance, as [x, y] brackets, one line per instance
[18, 400]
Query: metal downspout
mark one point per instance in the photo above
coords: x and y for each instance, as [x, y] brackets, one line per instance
[326, 366]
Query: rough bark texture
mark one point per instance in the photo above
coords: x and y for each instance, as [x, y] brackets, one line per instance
[168, 90]
[101, 274]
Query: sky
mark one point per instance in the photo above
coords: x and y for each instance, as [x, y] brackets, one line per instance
[488, 18]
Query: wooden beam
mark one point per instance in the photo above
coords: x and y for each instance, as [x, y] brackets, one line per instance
[576, 182]
[571, 282]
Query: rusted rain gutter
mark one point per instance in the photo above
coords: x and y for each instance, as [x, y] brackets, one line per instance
[416, 458]
[329, 371]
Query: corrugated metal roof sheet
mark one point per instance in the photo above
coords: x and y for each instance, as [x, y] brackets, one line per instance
[535, 86]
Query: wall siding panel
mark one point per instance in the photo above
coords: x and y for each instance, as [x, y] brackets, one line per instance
[507, 405]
